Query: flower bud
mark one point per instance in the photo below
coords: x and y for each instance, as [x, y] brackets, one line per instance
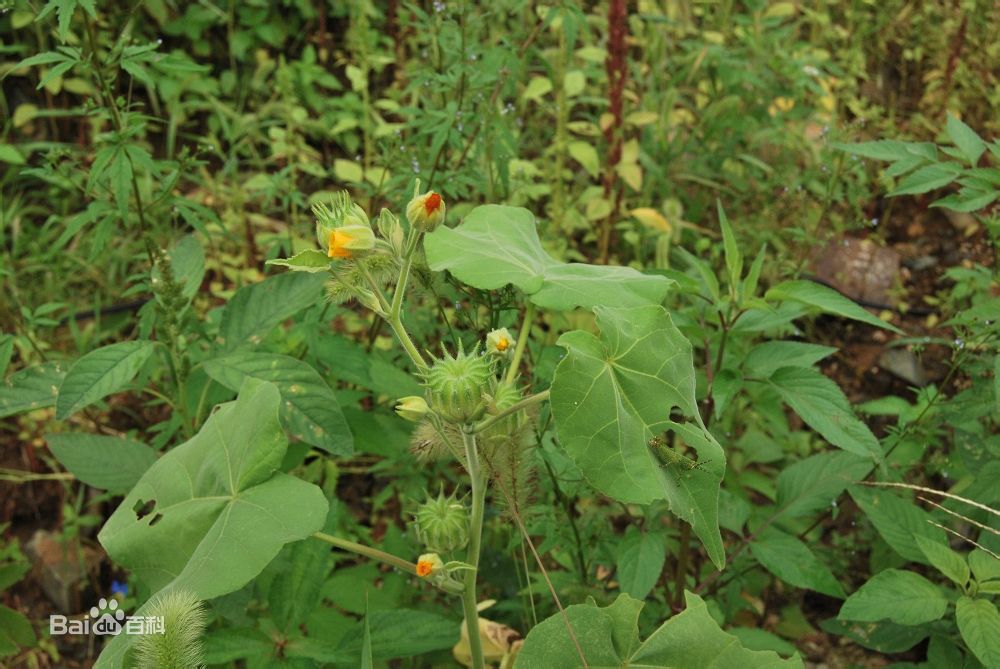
[368, 299]
[426, 212]
[499, 342]
[442, 524]
[412, 408]
[391, 230]
[350, 240]
[429, 564]
[457, 385]
[342, 227]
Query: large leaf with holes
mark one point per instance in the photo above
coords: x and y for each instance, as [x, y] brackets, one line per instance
[213, 512]
[613, 393]
[309, 409]
[497, 245]
[609, 637]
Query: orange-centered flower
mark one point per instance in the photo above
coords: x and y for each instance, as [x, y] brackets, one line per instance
[424, 568]
[432, 202]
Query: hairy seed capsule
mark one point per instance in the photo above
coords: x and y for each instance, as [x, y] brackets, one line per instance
[442, 524]
[457, 385]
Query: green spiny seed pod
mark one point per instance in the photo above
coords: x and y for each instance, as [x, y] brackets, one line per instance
[442, 524]
[180, 646]
[457, 385]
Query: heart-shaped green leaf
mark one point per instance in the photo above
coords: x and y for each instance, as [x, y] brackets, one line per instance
[498, 245]
[213, 512]
[612, 394]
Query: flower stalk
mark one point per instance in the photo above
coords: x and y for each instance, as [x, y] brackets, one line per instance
[381, 556]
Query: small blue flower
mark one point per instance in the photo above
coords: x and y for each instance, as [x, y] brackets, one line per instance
[119, 588]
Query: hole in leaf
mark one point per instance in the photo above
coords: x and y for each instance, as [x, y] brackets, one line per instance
[157, 518]
[143, 509]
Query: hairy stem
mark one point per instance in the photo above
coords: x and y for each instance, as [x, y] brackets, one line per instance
[376, 554]
[522, 343]
[514, 408]
[472, 556]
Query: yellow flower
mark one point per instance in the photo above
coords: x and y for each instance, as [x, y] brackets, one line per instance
[499, 341]
[426, 212]
[346, 241]
[429, 564]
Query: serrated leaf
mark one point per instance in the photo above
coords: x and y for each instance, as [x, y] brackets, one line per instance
[109, 463]
[611, 394]
[259, 308]
[398, 633]
[10, 155]
[497, 246]
[823, 406]
[927, 179]
[100, 373]
[16, 632]
[31, 388]
[309, 409]
[984, 566]
[903, 597]
[883, 149]
[209, 515]
[536, 88]
[965, 201]
[310, 260]
[898, 521]
[348, 170]
[574, 82]
[979, 624]
[825, 299]
[296, 589]
[793, 562]
[965, 138]
[585, 154]
[609, 637]
[945, 560]
[766, 358]
[815, 483]
[640, 561]
[734, 259]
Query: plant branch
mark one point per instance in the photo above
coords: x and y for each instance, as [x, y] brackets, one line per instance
[514, 408]
[522, 343]
[381, 556]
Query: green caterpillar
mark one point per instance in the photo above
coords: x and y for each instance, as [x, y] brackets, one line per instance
[669, 456]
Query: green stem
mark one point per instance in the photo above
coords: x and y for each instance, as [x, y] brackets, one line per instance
[376, 554]
[522, 343]
[394, 318]
[514, 408]
[472, 557]
[374, 286]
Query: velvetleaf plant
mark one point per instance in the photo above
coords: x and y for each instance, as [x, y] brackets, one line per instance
[623, 403]
[641, 368]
